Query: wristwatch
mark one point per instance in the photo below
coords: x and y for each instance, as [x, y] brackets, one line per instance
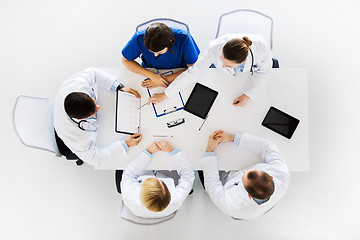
[119, 87]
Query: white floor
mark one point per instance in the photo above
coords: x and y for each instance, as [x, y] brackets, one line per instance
[43, 42]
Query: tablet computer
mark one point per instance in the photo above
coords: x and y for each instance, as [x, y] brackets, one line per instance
[280, 122]
[201, 100]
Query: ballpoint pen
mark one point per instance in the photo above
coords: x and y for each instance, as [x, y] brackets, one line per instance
[143, 105]
[203, 122]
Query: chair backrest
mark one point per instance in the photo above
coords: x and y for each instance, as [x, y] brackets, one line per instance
[246, 21]
[34, 123]
[126, 214]
[169, 22]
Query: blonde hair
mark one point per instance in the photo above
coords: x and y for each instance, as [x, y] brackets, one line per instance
[237, 49]
[154, 194]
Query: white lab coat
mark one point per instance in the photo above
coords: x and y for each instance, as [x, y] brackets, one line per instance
[232, 198]
[80, 142]
[262, 65]
[132, 178]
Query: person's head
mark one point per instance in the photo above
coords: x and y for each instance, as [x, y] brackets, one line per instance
[154, 194]
[258, 184]
[159, 38]
[235, 51]
[80, 105]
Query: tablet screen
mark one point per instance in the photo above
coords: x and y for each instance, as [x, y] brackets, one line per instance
[200, 101]
[280, 122]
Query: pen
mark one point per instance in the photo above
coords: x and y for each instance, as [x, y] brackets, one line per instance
[143, 105]
[203, 122]
[162, 136]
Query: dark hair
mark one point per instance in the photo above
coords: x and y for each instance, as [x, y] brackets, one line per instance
[159, 36]
[237, 49]
[261, 185]
[79, 105]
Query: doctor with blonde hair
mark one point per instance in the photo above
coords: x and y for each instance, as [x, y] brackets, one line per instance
[156, 194]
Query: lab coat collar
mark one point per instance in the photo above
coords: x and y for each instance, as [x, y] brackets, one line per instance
[236, 181]
[169, 182]
[249, 60]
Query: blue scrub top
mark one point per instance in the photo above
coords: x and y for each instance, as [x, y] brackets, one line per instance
[185, 51]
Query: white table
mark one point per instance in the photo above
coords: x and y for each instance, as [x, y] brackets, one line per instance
[286, 90]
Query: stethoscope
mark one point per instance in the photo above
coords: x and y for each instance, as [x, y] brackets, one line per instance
[251, 68]
[91, 127]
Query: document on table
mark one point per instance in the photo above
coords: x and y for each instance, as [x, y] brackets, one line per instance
[127, 118]
[169, 105]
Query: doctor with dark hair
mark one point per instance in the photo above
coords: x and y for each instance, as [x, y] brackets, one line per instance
[75, 118]
[160, 47]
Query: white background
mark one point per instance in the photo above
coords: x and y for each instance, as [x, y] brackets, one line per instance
[42, 42]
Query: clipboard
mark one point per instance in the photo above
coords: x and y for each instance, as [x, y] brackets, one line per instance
[169, 105]
[127, 117]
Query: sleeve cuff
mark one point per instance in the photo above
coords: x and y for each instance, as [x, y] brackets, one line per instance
[166, 92]
[173, 152]
[124, 144]
[237, 138]
[208, 154]
[250, 94]
[147, 153]
[115, 85]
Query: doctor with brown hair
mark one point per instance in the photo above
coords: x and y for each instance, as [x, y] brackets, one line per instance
[247, 193]
[231, 54]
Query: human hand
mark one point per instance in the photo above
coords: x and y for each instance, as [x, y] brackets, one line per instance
[132, 91]
[241, 101]
[158, 80]
[226, 137]
[214, 140]
[148, 83]
[165, 146]
[170, 78]
[133, 140]
[153, 148]
[156, 98]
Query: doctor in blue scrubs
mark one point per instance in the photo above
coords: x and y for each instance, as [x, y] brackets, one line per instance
[160, 47]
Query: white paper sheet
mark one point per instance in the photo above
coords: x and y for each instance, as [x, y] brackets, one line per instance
[127, 113]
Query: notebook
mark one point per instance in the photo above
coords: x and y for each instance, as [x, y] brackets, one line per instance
[127, 118]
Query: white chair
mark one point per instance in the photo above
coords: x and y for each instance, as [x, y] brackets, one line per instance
[169, 22]
[34, 123]
[247, 21]
[126, 214]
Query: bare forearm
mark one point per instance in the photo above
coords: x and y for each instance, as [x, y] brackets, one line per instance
[172, 77]
[137, 68]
